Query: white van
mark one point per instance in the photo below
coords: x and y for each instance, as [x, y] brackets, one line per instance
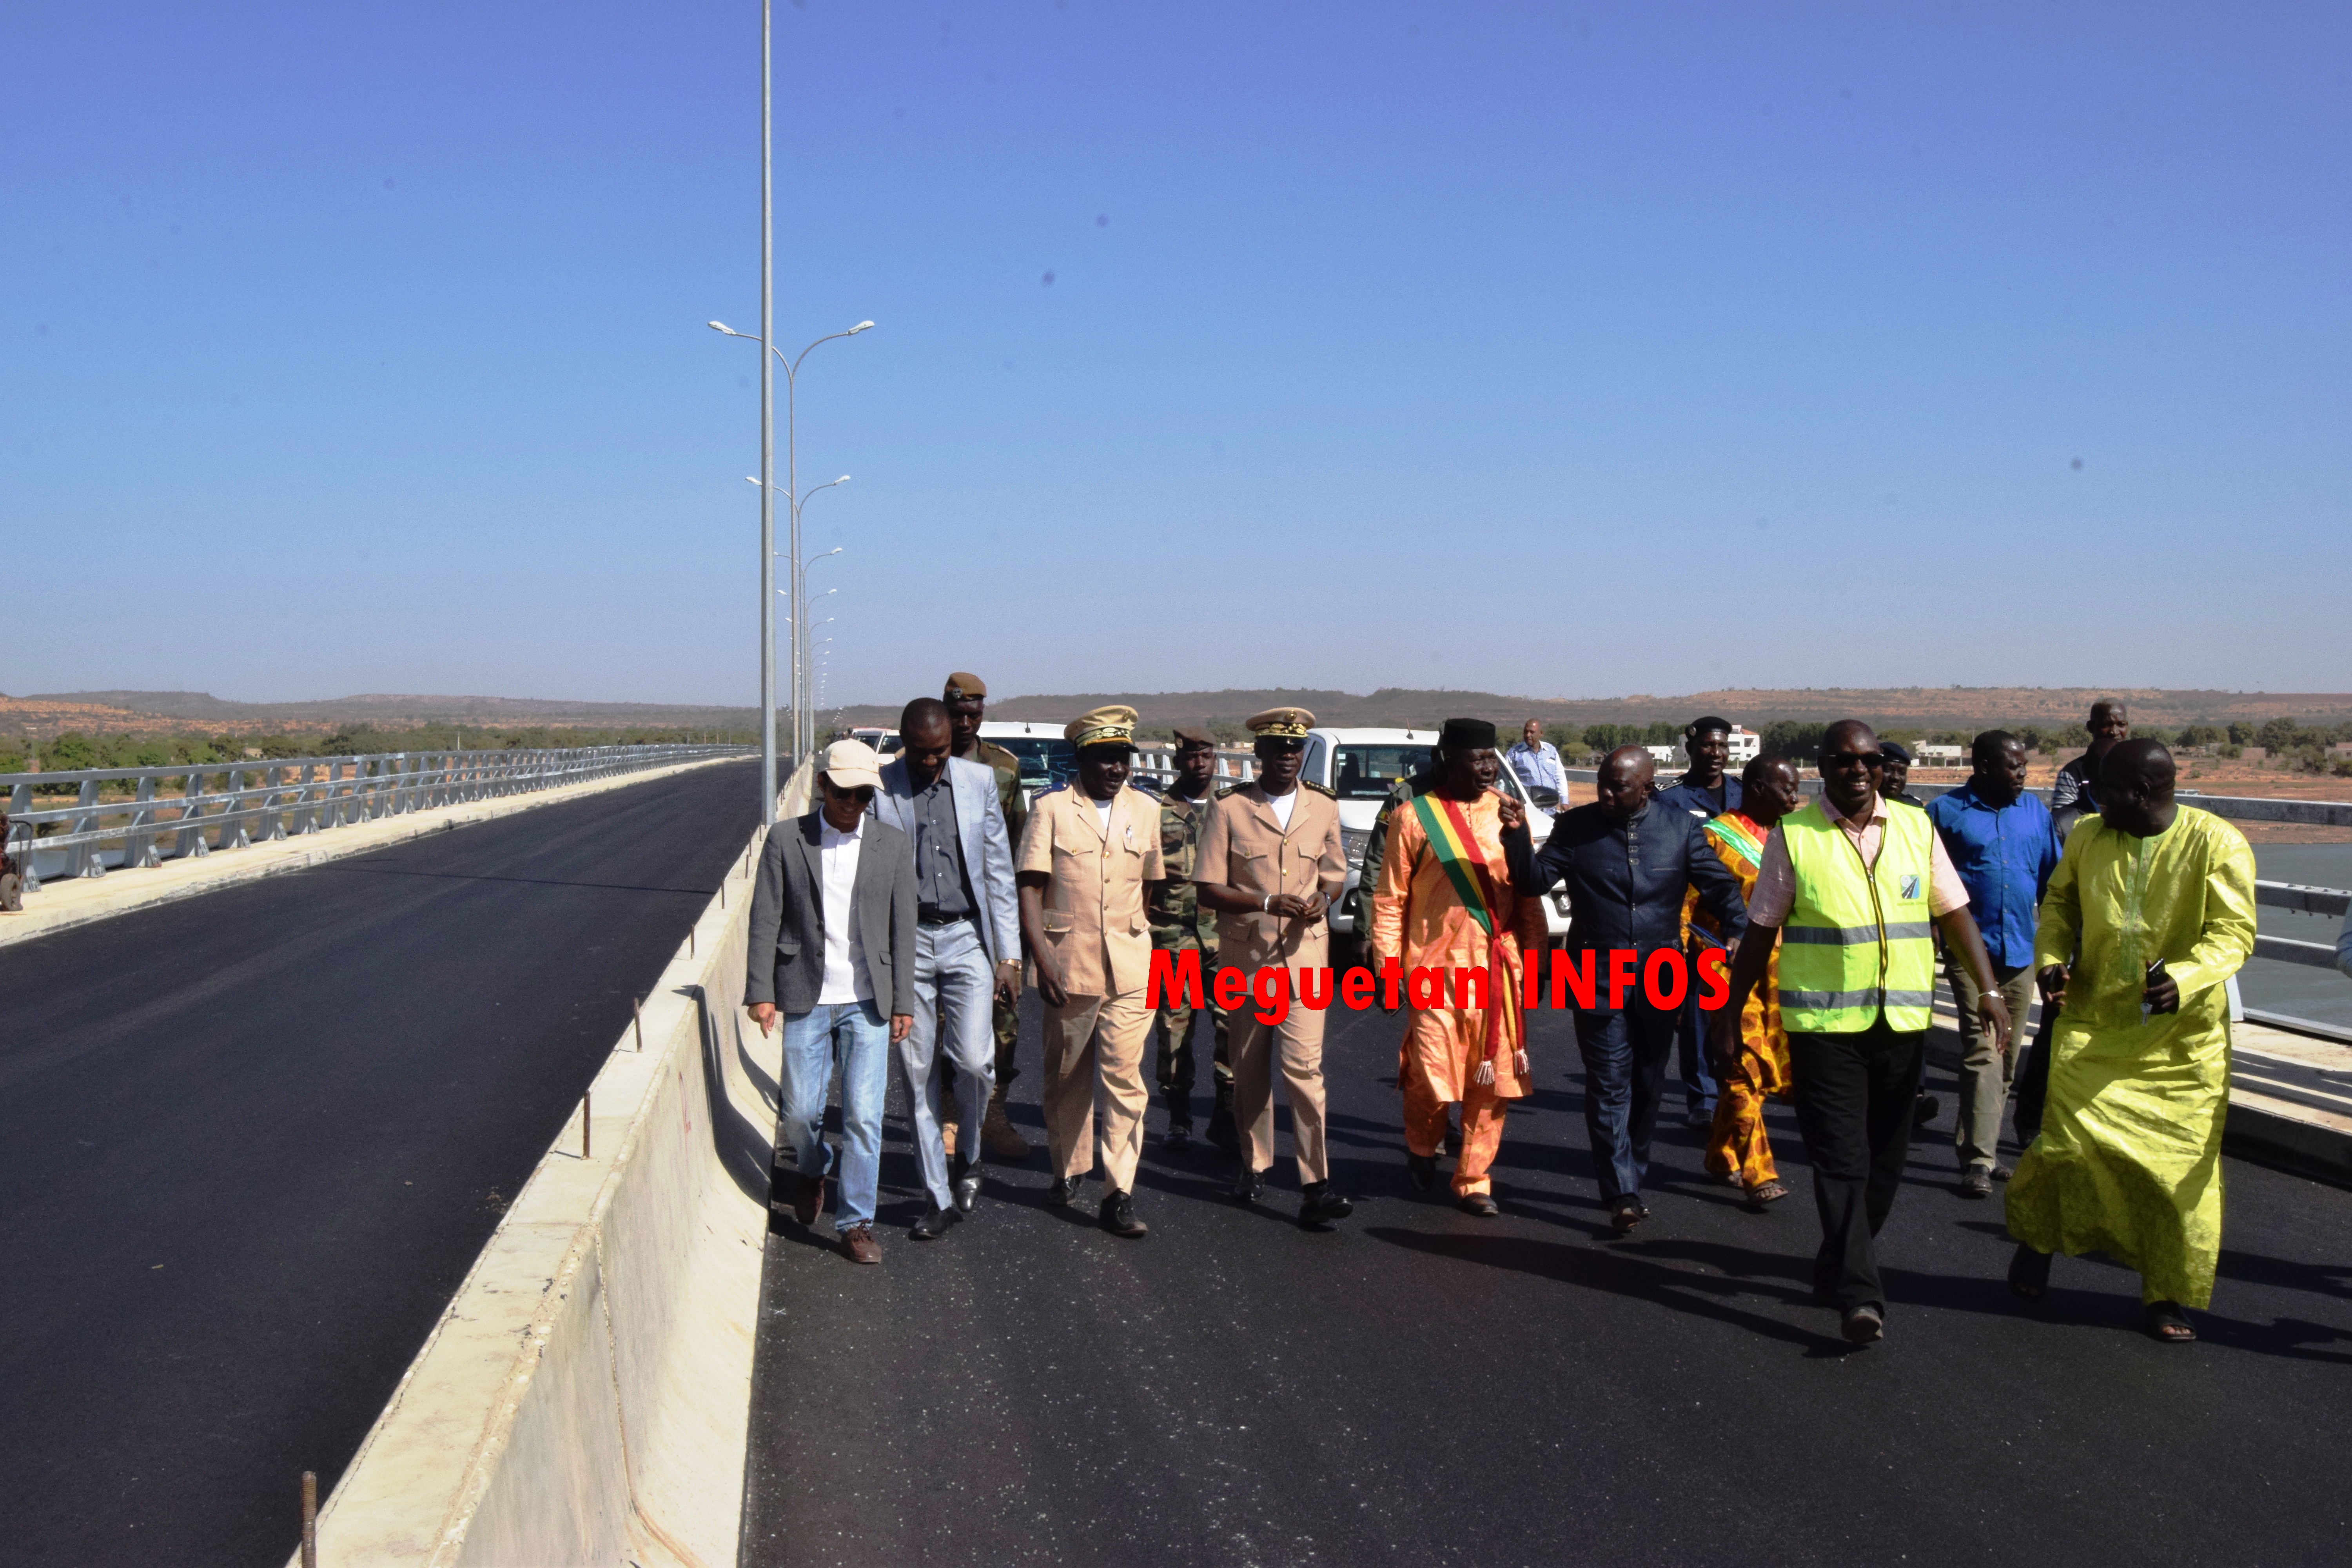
[1361, 766]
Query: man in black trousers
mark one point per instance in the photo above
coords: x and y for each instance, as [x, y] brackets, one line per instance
[1627, 864]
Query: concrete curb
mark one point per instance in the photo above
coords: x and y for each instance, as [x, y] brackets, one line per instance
[584, 1398]
[2286, 1143]
[62, 905]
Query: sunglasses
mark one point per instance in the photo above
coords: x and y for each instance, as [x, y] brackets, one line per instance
[1853, 760]
[863, 794]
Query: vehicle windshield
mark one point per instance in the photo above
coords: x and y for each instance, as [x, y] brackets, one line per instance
[1043, 759]
[1369, 773]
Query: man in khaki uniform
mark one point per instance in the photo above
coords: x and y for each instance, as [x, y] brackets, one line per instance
[1179, 924]
[966, 695]
[1090, 848]
[1270, 864]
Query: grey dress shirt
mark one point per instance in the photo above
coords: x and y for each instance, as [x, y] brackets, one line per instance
[940, 887]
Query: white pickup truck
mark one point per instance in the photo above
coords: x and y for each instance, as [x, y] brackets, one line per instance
[1047, 757]
[1361, 766]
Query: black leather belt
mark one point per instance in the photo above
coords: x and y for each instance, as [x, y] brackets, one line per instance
[933, 917]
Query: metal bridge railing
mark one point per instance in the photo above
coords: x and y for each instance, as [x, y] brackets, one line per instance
[186, 809]
[2332, 901]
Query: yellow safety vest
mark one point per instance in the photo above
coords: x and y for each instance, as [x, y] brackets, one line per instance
[1857, 942]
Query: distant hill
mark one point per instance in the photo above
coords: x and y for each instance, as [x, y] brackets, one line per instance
[1928, 708]
[1933, 708]
[200, 710]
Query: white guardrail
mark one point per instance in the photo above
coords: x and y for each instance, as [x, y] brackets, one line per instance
[184, 809]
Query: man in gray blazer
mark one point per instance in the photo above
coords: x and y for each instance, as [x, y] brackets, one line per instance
[967, 945]
[832, 944]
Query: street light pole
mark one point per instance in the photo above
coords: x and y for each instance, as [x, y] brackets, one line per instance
[768, 422]
[768, 487]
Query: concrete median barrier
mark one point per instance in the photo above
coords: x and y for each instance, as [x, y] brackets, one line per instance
[584, 1398]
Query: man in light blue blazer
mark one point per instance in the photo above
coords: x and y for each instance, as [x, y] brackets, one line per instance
[967, 945]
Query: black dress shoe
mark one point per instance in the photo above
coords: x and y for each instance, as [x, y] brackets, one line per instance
[1179, 1136]
[1864, 1325]
[1063, 1192]
[1223, 1132]
[1319, 1207]
[963, 1182]
[1478, 1203]
[1422, 1170]
[1119, 1216]
[1248, 1186]
[1625, 1214]
[932, 1225]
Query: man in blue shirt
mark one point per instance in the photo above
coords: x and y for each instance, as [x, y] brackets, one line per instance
[1703, 791]
[2004, 846]
[1537, 762]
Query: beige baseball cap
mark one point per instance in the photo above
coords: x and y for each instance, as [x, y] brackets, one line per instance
[851, 764]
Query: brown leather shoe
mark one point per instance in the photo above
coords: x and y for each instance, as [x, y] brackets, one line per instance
[858, 1242]
[808, 1201]
[998, 1136]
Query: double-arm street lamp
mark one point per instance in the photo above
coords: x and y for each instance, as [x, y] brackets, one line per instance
[804, 732]
[795, 599]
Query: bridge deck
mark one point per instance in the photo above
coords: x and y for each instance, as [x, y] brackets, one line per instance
[1425, 1387]
[252, 1141]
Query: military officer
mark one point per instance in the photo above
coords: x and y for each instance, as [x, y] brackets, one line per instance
[1179, 924]
[1270, 864]
[1090, 848]
[966, 695]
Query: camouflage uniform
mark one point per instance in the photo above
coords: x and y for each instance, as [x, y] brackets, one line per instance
[12, 880]
[1179, 924]
[1007, 1020]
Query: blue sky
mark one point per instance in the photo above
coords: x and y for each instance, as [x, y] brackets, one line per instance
[1564, 351]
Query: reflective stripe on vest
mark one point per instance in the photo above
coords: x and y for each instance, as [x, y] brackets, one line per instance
[1856, 943]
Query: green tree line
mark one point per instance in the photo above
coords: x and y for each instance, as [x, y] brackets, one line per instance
[71, 749]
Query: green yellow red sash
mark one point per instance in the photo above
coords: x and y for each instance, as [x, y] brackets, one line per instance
[1449, 835]
[1739, 833]
[1474, 882]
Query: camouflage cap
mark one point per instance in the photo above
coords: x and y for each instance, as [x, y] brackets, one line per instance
[963, 683]
[1110, 726]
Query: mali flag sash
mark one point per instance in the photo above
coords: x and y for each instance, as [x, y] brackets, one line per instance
[1473, 880]
[1739, 835]
[1456, 847]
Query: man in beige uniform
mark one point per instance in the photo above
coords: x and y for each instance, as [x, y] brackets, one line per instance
[1270, 864]
[1090, 848]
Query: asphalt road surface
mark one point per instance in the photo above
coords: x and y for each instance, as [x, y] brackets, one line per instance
[1424, 1387]
[252, 1141]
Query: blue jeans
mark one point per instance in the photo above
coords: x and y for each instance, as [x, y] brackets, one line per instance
[954, 1018]
[1690, 1041]
[1624, 1076]
[855, 1034]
